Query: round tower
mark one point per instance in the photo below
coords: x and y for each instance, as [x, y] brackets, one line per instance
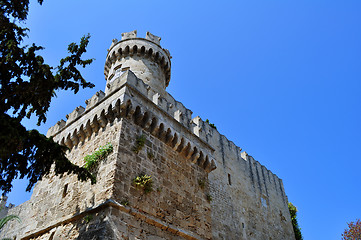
[143, 56]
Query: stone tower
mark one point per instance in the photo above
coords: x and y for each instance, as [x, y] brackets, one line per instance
[203, 186]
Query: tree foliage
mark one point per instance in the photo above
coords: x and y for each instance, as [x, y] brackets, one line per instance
[353, 231]
[27, 85]
[296, 228]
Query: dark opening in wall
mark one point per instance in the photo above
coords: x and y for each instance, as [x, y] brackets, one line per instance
[52, 234]
[242, 225]
[229, 179]
[65, 191]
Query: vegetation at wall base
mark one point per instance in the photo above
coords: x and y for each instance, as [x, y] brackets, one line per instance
[27, 86]
[353, 231]
[296, 228]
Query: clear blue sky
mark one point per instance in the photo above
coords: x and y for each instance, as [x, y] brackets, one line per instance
[282, 79]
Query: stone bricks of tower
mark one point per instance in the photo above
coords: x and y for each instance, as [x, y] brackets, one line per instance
[204, 187]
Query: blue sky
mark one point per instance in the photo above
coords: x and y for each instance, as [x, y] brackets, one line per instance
[282, 79]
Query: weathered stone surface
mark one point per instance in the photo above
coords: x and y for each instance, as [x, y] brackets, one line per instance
[153, 38]
[204, 187]
[129, 35]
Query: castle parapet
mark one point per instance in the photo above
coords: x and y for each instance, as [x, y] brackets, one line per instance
[143, 56]
[129, 99]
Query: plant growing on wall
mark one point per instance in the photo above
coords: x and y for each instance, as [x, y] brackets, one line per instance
[209, 197]
[296, 228]
[124, 202]
[139, 144]
[92, 160]
[144, 182]
[7, 219]
[201, 183]
[211, 124]
[88, 218]
[150, 155]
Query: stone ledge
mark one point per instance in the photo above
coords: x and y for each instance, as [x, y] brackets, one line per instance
[125, 209]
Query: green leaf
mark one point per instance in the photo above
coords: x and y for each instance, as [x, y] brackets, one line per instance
[8, 218]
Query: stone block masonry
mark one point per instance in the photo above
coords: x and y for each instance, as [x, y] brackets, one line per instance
[203, 186]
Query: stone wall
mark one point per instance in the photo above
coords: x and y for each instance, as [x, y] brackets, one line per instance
[177, 207]
[177, 198]
[249, 201]
[56, 199]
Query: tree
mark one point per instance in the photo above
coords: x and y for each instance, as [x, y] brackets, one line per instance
[353, 231]
[27, 85]
[296, 228]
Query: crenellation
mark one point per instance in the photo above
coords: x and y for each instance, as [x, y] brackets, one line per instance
[257, 180]
[78, 111]
[197, 129]
[94, 100]
[129, 35]
[153, 38]
[149, 50]
[261, 179]
[285, 200]
[56, 128]
[162, 103]
[263, 170]
[250, 169]
[277, 185]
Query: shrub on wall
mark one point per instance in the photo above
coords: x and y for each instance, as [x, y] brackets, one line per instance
[139, 144]
[296, 228]
[92, 160]
[144, 182]
[211, 124]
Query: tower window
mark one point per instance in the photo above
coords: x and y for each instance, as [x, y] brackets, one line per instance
[229, 179]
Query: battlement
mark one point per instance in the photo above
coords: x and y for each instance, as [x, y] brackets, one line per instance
[127, 99]
[119, 101]
[196, 134]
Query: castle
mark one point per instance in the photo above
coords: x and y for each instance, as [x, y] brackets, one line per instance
[169, 175]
